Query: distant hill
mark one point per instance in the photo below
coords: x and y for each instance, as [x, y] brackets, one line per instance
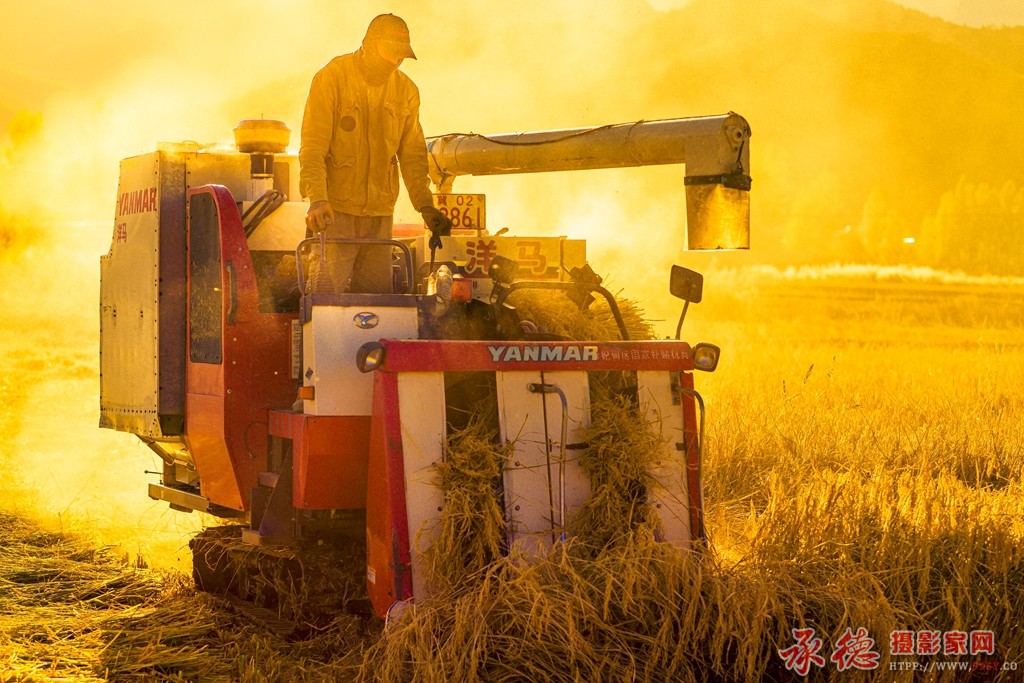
[865, 114]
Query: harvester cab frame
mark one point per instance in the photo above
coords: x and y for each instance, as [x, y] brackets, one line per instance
[316, 417]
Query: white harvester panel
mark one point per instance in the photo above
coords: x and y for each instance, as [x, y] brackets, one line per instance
[669, 495]
[143, 281]
[533, 423]
[422, 400]
[129, 304]
[330, 340]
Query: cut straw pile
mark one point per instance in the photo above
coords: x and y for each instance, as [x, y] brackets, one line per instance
[67, 611]
[70, 611]
[606, 605]
[557, 314]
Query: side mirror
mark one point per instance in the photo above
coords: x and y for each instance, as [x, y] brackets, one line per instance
[686, 284]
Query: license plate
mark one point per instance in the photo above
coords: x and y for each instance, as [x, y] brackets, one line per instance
[466, 211]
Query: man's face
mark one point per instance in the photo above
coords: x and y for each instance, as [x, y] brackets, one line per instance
[391, 52]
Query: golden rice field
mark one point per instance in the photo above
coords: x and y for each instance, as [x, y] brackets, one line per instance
[864, 470]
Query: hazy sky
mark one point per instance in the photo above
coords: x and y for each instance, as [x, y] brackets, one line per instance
[40, 56]
[84, 86]
[966, 12]
[973, 12]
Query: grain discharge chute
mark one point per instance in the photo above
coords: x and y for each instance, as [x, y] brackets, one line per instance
[315, 417]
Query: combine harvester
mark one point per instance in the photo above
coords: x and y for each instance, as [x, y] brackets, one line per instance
[314, 417]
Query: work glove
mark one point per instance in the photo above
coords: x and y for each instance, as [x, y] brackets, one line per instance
[319, 215]
[438, 224]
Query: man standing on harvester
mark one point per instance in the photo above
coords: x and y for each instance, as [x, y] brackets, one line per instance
[360, 125]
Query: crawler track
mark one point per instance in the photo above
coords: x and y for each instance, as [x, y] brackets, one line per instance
[292, 592]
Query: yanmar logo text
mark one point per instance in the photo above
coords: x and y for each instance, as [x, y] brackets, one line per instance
[137, 201]
[543, 353]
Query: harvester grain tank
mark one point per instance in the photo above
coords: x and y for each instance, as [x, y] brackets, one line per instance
[316, 416]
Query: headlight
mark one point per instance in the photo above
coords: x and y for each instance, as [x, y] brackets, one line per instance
[705, 357]
[370, 356]
[502, 270]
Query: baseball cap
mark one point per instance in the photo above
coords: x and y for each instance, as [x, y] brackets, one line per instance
[392, 36]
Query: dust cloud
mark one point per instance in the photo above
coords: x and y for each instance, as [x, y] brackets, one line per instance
[56, 463]
[852, 116]
[108, 82]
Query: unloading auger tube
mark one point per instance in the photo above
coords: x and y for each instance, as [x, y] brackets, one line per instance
[715, 150]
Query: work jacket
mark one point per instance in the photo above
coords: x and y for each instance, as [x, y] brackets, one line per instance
[354, 139]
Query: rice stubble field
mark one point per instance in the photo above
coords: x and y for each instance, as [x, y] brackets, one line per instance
[862, 479]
